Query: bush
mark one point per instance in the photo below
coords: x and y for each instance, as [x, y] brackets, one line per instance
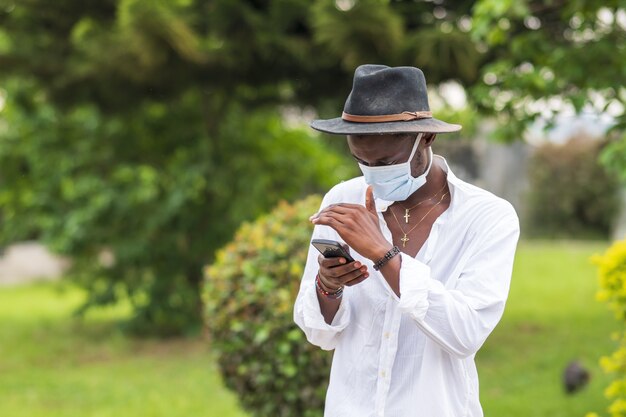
[612, 278]
[249, 296]
[571, 194]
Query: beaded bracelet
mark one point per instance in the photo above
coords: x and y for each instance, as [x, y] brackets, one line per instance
[382, 261]
[332, 295]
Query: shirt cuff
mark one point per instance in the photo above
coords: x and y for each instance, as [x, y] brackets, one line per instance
[415, 282]
[312, 313]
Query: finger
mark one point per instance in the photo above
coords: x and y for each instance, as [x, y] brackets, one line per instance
[351, 276]
[330, 262]
[342, 270]
[330, 219]
[357, 280]
[341, 208]
[369, 200]
[314, 215]
[341, 222]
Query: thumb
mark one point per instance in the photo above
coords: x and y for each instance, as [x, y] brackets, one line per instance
[369, 200]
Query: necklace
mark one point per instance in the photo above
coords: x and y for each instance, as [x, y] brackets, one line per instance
[405, 238]
[407, 210]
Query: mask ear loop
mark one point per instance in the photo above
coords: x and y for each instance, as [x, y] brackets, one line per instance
[430, 154]
[417, 142]
[430, 163]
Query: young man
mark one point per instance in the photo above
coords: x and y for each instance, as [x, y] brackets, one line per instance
[433, 259]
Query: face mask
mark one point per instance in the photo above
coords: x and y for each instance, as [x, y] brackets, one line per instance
[395, 182]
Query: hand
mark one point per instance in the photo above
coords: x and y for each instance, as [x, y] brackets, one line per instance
[335, 273]
[357, 225]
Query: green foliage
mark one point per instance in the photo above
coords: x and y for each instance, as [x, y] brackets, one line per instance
[612, 279]
[571, 194]
[249, 295]
[466, 117]
[119, 52]
[140, 129]
[153, 189]
[614, 157]
[370, 28]
[546, 55]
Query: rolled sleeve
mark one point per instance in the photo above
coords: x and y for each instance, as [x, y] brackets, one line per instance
[308, 316]
[307, 312]
[415, 283]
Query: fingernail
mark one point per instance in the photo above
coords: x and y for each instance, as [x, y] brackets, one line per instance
[357, 264]
[366, 275]
[342, 261]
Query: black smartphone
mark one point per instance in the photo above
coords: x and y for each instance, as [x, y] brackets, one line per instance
[331, 249]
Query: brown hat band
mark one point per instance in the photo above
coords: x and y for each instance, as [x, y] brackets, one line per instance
[398, 117]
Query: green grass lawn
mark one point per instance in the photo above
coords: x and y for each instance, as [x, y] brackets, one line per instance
[54, 365]
[551, 318]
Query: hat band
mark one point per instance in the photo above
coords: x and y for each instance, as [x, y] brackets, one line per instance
[398, 117]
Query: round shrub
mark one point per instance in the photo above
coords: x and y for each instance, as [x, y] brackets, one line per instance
[249, 294]
[571, 194]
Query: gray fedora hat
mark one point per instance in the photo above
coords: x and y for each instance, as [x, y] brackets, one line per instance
[386, 100]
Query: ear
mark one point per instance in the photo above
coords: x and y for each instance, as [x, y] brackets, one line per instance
[428, 139]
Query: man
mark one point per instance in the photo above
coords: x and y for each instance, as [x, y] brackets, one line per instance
[433, 259]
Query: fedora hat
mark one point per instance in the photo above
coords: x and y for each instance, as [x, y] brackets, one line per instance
[385, 100]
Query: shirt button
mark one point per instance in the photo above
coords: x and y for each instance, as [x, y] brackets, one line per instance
[387, 335]
[383, 374]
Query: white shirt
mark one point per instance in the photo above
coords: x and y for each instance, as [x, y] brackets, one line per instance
[413, 355]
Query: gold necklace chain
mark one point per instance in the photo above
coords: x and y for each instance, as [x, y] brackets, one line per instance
[405, 238]
[407, 210]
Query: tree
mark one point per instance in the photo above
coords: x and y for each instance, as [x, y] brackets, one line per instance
[545, 56]
[148, 129]
[135, 126]
[156, 194]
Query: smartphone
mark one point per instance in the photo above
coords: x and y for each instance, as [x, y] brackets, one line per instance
[331, 249]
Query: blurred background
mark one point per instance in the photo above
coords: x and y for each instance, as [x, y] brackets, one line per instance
[157, 173]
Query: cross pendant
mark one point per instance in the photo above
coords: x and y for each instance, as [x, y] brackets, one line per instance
[406, 215]
[404, 240]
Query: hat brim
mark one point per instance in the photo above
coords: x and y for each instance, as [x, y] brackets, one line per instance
[338, 126]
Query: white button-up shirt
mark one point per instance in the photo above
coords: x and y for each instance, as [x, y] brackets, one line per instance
[413, 355]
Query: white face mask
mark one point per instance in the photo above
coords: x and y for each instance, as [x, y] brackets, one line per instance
[395, 182]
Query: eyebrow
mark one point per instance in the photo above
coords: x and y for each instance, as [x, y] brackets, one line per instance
[378, 161]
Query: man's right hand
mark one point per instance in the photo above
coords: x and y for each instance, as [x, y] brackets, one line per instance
[335, 272]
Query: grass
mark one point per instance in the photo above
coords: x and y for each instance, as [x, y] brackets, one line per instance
[551, 318]
[54, 365]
